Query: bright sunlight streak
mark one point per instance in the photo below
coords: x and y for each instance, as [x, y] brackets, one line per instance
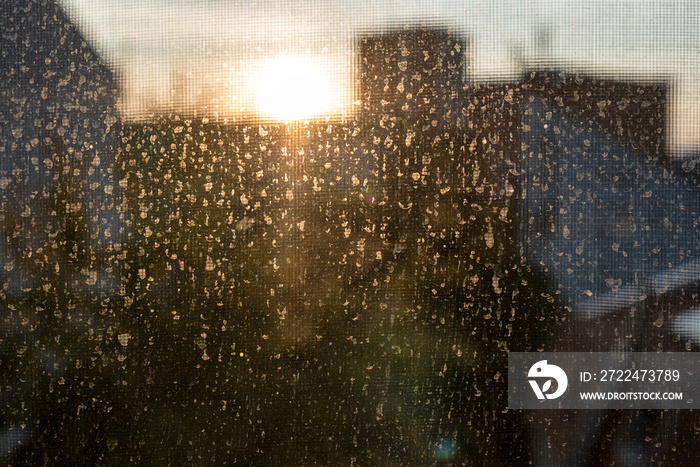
[293, 88]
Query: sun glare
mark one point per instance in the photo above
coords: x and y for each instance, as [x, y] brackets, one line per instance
[293, 88]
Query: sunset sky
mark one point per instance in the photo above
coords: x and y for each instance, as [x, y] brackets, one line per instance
[186, 55]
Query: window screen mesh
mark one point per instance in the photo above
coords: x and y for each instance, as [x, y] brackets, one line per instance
[309, 233]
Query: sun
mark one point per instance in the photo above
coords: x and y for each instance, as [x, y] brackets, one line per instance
[293, 88]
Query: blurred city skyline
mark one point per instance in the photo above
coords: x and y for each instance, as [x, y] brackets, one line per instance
[207, 57]
[188, 290]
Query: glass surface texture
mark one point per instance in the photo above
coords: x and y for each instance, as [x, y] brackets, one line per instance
[310, 233]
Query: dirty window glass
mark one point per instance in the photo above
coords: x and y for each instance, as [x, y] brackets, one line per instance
[310, 233]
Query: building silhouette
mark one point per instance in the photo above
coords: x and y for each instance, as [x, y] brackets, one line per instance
[61, 218]
[59, 139]
[594, 202]
[414, 76]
